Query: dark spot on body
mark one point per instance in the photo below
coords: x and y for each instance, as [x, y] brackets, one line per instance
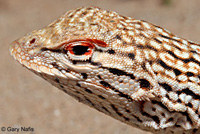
[96, 63]
[57, 80]
[111, 51]
[100, 96]
[61, 86]
[191, 60]
[126, 119]
[128, 111]
[65, 91]
[71, 16]
[144, 83]
[78, 85]
[99, 50]
[177, 72]
[74, 62]
[146, 114]
[167, 96]
[67, 70]
[158, 41]
[195, 130]
[163, 114]
[118, 37]
[187, 116]
[93, 24]
[125, 96]
[77, 92]
[156, 119]
[179, 101]
[105, 84]
[88, 91]
[84, 13]
[125, 29]
[106, 109]
[84, 75]
[166, 86]
[189, 74]
[177, 125]
[90, 102]
[124, 17]
[131, 56]
[99, 76]
[193, 51]
[187, 91]
[160, 104]
[178, 92]
[55, 65]
[164, 65]
[170, 120]
[146, 47]
[190, 105]
[120, 72]
[137, 118]
[116, 110]
[117, 71]
[90, 8]
[167, 37]
[172, 54]
[143, 65]
[53, 50]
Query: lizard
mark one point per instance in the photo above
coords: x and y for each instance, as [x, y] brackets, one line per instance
[132, 70]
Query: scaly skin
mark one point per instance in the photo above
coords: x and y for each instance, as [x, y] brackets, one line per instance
[132, 70]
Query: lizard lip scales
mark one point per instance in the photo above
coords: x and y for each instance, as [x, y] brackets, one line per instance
[132, 70]
[15, 51]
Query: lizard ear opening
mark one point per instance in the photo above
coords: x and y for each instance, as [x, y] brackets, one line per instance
[79, 50]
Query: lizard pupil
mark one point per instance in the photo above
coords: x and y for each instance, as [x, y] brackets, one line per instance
[80, 50]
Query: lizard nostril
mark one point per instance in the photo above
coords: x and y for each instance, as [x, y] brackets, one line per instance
[32, 41]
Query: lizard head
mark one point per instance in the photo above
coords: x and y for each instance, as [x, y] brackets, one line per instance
[72, 43]
[80, 46]
[75, 41]
[89, 54]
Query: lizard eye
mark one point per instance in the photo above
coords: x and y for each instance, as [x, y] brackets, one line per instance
[81, 50]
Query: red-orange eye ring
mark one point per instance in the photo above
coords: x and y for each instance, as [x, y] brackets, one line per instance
[80, 48]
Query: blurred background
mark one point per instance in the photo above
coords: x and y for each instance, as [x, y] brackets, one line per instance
[26, 100]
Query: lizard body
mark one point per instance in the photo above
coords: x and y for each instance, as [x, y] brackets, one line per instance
[132, 70]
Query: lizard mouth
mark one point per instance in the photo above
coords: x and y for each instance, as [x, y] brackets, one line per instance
[38, 63]
[17, 53]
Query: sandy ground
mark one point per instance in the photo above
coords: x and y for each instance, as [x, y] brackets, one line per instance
[29, 101]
